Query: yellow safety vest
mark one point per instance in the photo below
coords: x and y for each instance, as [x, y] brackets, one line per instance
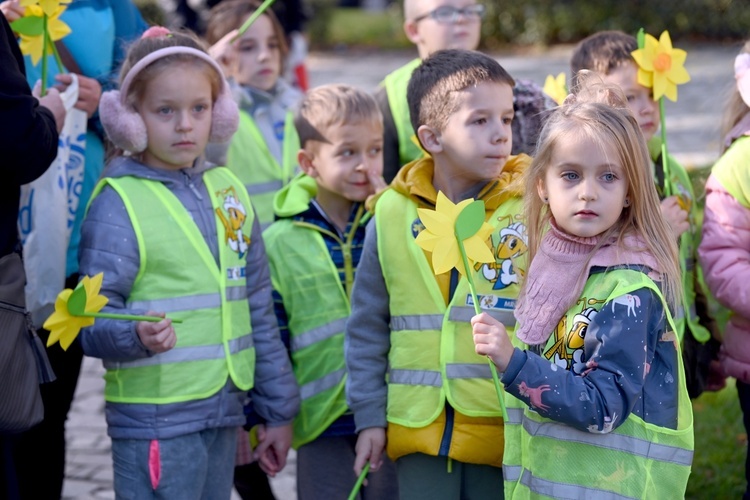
[547, 459]
[395, 87]
[317, 306]
[432, 356]
[250, 159]
[179, 276]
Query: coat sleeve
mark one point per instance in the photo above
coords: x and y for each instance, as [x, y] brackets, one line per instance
[367, 339]
[724, 250]
[28, 132]
[275, 395]
[607, 379]
[109, 245]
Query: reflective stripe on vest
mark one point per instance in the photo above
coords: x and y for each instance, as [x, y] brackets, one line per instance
[318, 307]
[432, 356]
[395, 86]
[262, 175]
[634, 460]
[178, 274]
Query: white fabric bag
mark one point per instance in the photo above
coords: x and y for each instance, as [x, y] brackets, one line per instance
[47, 211]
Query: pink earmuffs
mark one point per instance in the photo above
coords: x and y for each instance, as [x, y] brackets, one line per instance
[125, 127]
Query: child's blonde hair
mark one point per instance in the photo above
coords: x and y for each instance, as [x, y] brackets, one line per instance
[330, 106]
[735, 108]
[230, 14]
[599, 111]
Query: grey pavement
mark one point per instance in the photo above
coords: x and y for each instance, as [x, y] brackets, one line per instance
[693, 137]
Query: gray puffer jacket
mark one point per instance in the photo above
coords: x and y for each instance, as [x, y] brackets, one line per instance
[109, 245]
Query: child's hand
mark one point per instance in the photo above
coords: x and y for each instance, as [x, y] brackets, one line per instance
[491, 340]
[375, 178]
[370, 445]
[273, 446]
[89, 92]
[157, 337]
[12, 10]
[224, 52]
[677, 218]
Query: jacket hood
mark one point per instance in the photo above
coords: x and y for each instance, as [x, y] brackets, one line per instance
[128, 166]
[295, 197]
[415, 181]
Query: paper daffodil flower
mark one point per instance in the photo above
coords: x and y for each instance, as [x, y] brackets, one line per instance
[556, 88]
[48, 6]
[65, 323]
[31, 30]
[660, 66]
[447, 225]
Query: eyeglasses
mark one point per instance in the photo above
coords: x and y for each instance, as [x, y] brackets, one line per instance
[450, 15]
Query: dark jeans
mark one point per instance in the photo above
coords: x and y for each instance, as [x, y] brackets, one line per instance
[743, 391]
[252, 483]
[41, 450]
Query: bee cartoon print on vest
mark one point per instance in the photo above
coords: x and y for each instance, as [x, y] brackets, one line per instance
[416, 227]
[567, 349]
[513, 243]
[233, 218]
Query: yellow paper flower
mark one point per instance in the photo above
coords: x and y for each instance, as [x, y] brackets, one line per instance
[64, 326]
[48, 6]
[660, 66]
[439, 237]
[32, 45]
[555, 88]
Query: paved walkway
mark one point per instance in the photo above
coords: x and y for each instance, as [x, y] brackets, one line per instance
[693, 126]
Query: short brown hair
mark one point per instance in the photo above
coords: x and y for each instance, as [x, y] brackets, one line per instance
[230, 14]
[333, 105]
[602, 52]
[434, 83]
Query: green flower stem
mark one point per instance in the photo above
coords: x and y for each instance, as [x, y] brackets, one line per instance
[664, 160]
[473, 290]
[130, 317]
[250, 20]
[60, 66]
[45, 44]
[359, 482]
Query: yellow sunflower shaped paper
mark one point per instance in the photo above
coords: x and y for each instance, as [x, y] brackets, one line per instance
[67, 320]
[555, 88]
[450, 227]
[660, 66]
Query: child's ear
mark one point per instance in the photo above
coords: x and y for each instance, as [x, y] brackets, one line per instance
[305, 161]
[410, 29]
[542, 191]
[430, 139]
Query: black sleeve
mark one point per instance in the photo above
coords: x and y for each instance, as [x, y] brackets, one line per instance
[28, 135]
[391, 159]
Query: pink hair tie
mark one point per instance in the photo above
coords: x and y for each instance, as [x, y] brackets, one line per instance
[742, 75]
[156, 32]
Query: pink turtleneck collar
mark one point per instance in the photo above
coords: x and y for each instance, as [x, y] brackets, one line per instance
[558, 275]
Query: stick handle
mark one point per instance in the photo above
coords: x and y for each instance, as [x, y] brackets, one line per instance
[250, 20]
[129, 317]
[359, 482]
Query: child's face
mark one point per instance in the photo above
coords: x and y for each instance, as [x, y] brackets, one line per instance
[585, 185]
[477, 138]
[343, 167]
[259, 56]
[640, 98]
[177, 117]
[430, 34]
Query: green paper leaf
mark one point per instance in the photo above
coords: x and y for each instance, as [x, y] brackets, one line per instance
[29, 26]
[470, 220]
[641, 37]
[77, 302]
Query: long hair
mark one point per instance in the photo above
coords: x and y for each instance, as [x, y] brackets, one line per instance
[735, 108]
[600, 112]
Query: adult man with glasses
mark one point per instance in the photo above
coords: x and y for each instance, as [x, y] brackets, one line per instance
[434, 25]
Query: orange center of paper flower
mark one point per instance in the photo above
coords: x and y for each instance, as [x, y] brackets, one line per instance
[662, 62]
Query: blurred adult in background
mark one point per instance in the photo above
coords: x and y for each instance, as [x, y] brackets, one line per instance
[100, 31]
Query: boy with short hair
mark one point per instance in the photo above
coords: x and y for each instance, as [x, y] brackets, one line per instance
[438, 402]
[314, 249]
[433, 25]
[609, 54]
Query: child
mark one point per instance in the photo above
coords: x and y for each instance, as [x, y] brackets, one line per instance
[264, 149]
[314, 248]
[438, 401]
[176, 235]
[608, 53]
[434, 25]
[608, 413]
[725, 245]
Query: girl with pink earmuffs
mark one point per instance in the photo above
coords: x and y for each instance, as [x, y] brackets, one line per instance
[176, 237]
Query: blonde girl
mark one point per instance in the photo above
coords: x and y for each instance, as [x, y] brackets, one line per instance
[598, 404]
